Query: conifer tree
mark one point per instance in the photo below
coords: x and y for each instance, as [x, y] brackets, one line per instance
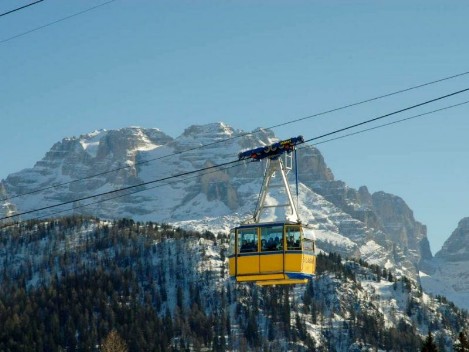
[429, 344]
[114, 343]
[462, 344]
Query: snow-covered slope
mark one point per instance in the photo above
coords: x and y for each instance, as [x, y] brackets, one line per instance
[182, 277]
[379, 228]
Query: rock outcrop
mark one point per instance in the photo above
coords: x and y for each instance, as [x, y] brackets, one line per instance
[456, 247]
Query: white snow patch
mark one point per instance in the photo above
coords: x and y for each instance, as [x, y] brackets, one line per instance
[91, 142]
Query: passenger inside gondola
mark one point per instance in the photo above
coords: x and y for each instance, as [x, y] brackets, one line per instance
[247, 240]
[293, 239]
[278, 242]
[271, 245]
[272, 238]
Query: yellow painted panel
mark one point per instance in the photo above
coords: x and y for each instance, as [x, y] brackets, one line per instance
[260, 277]
[248, 264]
[231, 263]
[271, 262]
[293, 262]
[309, 264]
[268, 269]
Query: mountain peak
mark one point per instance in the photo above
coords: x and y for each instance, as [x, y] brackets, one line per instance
[456, 247]
[218, 129]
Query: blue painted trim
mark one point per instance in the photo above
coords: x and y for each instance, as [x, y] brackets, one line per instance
[272, 151]
[266, 224]
[298, 276]
[271, 253]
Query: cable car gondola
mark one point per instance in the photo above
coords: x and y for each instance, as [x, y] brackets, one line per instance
[272, 253]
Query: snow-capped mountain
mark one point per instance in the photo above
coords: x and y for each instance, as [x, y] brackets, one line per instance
[379, 228]
[449, 273]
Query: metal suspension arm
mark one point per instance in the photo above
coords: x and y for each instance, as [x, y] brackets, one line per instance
[274, 165]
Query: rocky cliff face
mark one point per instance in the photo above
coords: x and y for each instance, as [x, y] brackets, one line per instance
[379, 228]
[397, 220]
[450, 268]
[383, 212]
[456, 247]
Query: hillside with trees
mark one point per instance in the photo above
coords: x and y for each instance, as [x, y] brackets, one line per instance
[82, 284]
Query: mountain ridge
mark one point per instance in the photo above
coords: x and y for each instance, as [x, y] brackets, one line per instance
[378, 227]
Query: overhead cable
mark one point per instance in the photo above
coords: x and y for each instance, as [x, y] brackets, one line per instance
[391, 123]
[55, 22]
[387, 115]
[116, 190]
[20, 8]
[132, 192]
[371, 99]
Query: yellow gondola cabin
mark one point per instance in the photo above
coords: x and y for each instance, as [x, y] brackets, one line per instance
[271, 254]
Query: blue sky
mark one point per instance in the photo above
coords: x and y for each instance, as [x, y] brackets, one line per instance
[170, 64]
